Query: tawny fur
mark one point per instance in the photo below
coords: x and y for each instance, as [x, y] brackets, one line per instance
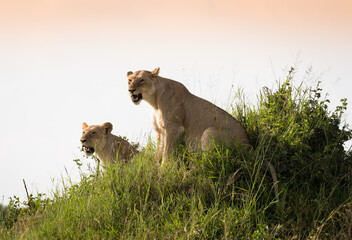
[108, 147]
[180, 115]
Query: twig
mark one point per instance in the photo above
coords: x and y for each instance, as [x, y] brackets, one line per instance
[25, 186]
[98, 166]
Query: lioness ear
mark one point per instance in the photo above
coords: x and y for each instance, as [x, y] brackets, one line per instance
[155, 72]
[106, 127]
[84, 125]
[129, 73]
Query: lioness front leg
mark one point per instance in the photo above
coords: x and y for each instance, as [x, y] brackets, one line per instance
[160, 143]
[173, 135]
[160, 139]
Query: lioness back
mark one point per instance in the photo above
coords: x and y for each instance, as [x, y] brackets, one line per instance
[211, 116]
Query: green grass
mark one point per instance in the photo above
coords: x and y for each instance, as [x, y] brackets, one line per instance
[225, 193]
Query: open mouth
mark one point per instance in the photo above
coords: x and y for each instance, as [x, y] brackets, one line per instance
[136, 98]
[88, 150]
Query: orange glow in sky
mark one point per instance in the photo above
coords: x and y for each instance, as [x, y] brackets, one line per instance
[178, 15]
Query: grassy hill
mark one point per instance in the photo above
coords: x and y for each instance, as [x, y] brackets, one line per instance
[225, 193]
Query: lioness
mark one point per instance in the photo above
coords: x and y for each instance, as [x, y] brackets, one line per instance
[180, 115]
[108, 147]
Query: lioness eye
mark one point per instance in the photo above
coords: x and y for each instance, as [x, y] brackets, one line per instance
[129, 80]
[93, 133]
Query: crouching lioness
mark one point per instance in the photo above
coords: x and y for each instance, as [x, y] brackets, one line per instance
[180, 115]
[108, 147]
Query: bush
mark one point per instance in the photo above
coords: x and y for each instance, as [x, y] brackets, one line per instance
[305, 142]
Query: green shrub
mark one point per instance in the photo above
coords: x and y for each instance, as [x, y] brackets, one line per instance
[305, 142]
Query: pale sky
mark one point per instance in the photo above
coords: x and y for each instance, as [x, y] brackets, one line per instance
[64, 62]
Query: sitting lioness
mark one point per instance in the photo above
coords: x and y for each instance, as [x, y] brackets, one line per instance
[108, 147]
[180, 115]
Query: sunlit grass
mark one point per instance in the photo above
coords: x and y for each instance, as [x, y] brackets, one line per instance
[224, 193]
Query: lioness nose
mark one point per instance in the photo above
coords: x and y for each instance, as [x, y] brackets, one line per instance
[83, 140]
[131, 90]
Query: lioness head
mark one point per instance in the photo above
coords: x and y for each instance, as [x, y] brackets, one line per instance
[141, 84]
[94, 137]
